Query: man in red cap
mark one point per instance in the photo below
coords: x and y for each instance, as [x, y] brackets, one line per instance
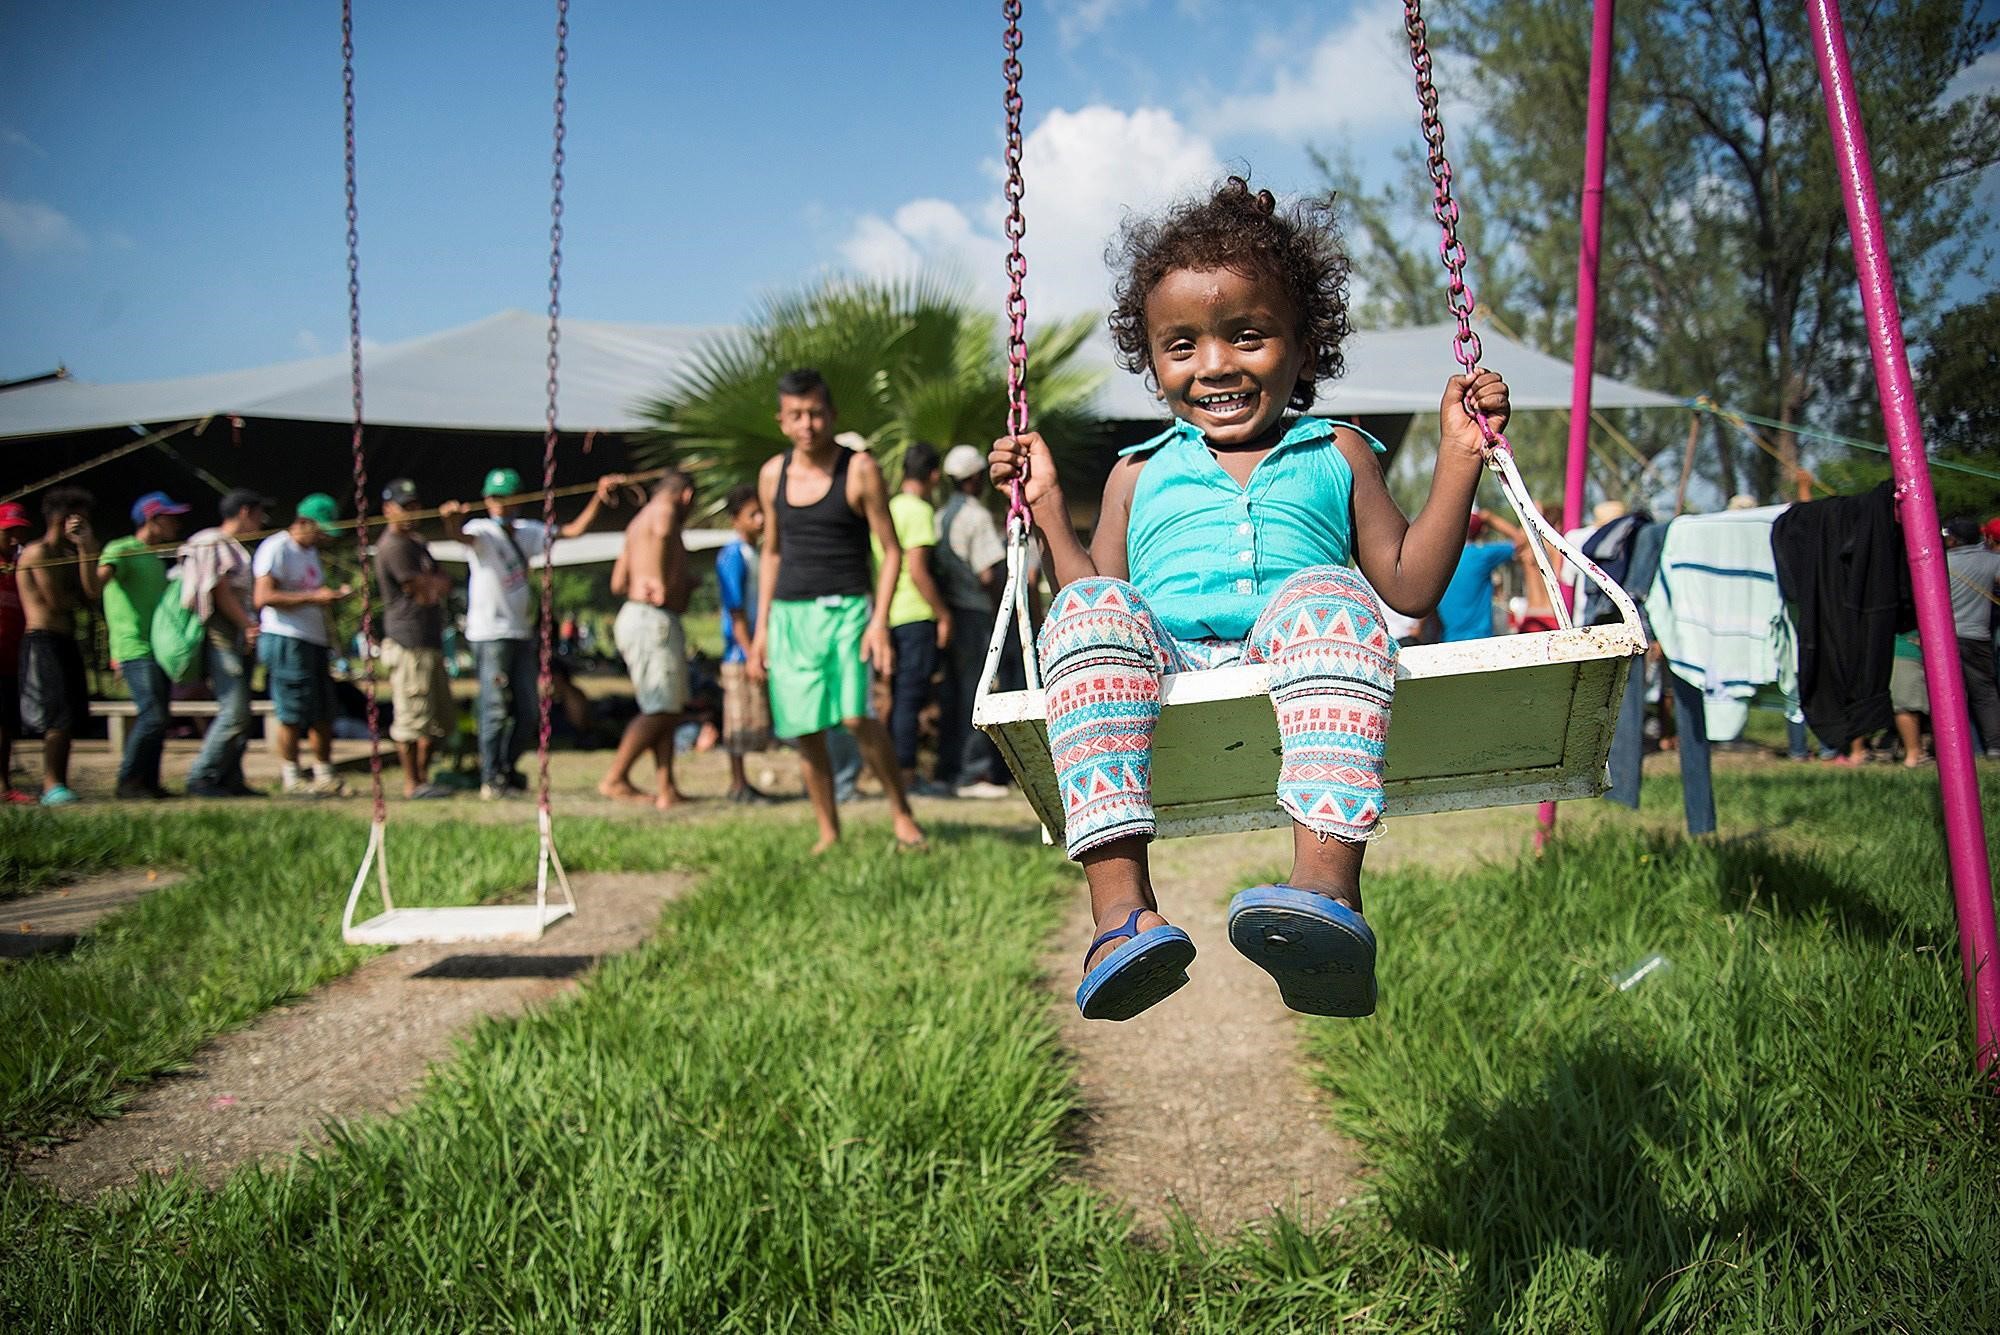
[58, 580]
[134, 578]
[13, 523]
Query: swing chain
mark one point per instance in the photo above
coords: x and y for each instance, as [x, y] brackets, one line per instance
[545, 676]
[1444, 207]
[360, 460]
[1017, 265]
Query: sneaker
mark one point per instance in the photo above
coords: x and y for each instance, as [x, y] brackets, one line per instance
[58, 796]
[932, 788]
[427, 792]
[130, 790]
[238, 788]
[330, 786]
[197, 788]
[15, 797]
[984, 791]
[494, 792]
[298, 785]
[749, 796]
[517, 781]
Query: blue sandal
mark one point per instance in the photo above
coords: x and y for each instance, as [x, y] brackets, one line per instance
[1150, 967]
[1321, 952]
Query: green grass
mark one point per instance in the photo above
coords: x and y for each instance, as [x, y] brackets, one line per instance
[829, 1097]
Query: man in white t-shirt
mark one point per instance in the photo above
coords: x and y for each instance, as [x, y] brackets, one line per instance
[294, 641]
[497, 623]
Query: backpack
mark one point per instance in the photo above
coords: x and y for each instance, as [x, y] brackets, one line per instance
[177, 635]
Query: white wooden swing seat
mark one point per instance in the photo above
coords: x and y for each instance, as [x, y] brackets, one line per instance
[455, 925]
[1478, 723]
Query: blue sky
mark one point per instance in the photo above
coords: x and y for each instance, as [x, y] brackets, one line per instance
[170, 176]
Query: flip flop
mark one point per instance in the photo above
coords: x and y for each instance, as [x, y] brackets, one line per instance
[1150, 967]
[1321, 952]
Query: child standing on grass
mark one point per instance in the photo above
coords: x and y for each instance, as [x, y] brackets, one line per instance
[1234, 537]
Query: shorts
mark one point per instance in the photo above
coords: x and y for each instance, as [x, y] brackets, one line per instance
[1537, 622]
[1909, 693]
[654, 648]
[814, 651]
[55, 695]
[746, 711]
[301, 679]
[421, 689]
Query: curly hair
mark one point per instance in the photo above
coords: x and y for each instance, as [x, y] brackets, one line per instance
[1243, 230]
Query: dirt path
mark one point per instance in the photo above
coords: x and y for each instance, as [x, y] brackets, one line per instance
[54, 920]
[1202, 1104]
[358, 1047]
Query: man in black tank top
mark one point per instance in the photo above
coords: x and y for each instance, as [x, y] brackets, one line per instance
[817, 632]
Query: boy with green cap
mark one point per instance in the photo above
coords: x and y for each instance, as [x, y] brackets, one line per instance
[496, 617]
[295, 641]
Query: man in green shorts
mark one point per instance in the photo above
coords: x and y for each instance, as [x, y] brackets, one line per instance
[817, 634]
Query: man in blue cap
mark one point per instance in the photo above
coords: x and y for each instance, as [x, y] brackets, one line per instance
[496, 618]
[133, 578]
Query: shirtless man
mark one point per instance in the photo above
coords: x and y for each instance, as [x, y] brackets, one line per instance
[58, 579]
[1540, 612]
[652, 573]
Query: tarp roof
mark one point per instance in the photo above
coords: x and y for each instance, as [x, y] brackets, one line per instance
[489, 376]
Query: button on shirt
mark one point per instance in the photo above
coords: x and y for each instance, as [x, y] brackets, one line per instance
[1208, 553]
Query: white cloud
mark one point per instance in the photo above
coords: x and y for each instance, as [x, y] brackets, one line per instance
[1356, 77]
[1085, 171]
[1979, 79]
[28, 227]
[14, 138]
[1078, 19]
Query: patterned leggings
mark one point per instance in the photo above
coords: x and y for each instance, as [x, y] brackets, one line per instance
[1333, 673]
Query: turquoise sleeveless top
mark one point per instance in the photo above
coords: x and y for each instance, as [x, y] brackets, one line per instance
[1208, 554]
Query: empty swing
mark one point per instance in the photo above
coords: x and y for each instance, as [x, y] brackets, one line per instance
[1216, 751]
[481, 922]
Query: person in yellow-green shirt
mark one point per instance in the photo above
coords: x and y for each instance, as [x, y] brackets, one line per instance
[919, 615]
[134, 578]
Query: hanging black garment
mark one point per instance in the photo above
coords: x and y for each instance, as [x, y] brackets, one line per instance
[1840, 564]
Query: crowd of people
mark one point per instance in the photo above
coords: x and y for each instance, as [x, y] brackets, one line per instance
[882, 595]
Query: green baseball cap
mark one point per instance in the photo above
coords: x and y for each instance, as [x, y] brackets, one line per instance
[321, 508]
[502, 482]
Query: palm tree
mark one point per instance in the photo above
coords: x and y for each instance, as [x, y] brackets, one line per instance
[907, 360]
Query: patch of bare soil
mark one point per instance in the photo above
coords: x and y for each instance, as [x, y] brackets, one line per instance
[54, 920]
[356, 1048]
[1202, 1105]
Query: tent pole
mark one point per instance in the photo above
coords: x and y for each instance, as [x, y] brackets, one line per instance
[1964, 827]
[1575, 479]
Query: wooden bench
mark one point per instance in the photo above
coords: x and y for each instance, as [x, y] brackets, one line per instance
[115, 712]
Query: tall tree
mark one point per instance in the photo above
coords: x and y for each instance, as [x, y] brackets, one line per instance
[906, 360]
[1726, 267]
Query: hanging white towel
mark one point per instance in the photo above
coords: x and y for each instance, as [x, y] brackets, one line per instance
[1718, 615]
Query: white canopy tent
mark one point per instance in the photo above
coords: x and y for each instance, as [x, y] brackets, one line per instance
[490, 376]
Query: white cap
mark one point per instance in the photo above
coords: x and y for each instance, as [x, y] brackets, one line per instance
[962, 462]
[852, 440]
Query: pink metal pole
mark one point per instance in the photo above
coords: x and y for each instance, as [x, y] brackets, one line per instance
[1583, 354]
[1964, 827]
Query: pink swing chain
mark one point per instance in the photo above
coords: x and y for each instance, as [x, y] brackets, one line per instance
[1017, 268]
[545, 674]
[360, 459]
[1465, 345]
